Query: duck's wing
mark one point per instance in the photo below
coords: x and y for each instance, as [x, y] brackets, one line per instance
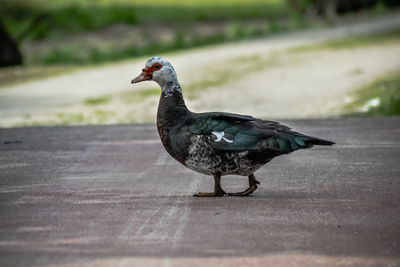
[232, 132]
[227, 116]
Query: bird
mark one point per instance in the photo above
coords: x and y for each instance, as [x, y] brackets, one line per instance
[217, 143]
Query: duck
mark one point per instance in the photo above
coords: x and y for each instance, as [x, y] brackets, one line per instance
[217, 143]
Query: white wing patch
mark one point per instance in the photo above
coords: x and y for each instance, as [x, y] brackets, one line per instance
[220, 136]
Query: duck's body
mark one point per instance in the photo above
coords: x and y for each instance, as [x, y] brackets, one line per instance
[217, 143]
[178, 126]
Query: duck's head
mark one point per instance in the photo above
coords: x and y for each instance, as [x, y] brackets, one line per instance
[158, 70]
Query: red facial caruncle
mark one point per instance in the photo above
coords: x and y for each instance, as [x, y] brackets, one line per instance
[147, 73]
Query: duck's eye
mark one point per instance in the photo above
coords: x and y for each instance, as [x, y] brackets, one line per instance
[157, 67]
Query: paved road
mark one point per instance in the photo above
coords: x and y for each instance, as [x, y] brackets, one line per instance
[101, 195]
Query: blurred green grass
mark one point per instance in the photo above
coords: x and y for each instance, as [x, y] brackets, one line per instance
[66, 17]
[74, 33]
[68, 34]
[387, 37]
[379, 98]
[82, 32]
[15, 75]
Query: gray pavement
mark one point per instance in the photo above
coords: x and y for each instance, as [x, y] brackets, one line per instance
[111, 195]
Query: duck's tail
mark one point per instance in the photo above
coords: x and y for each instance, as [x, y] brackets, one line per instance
[305, 141]
[318, 141]
[290, 141]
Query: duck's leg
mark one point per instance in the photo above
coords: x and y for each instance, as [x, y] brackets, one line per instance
[253, 186]
[218, 192]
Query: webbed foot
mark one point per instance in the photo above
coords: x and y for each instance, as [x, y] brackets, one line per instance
[247, 192]
[253, 186]
[218, 191]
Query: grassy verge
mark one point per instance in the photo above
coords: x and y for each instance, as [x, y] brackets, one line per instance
[14, 75]
[392, 36]
[380, 98]
[84, 32]
[58, 18]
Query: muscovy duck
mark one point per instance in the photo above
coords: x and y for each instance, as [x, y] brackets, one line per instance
[217, 143]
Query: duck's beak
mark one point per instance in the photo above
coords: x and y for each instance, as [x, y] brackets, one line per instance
[144, 76]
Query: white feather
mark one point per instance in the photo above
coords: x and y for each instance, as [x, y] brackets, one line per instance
[220, 136]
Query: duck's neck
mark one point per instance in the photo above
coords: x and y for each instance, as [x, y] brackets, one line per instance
[171, 108]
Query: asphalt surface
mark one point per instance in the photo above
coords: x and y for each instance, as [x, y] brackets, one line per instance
[111, 195]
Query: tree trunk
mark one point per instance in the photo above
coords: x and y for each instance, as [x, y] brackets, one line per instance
[9, 52]
[330, 9]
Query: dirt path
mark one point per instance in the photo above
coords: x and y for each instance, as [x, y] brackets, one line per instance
[254, 77]
[305, 85]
